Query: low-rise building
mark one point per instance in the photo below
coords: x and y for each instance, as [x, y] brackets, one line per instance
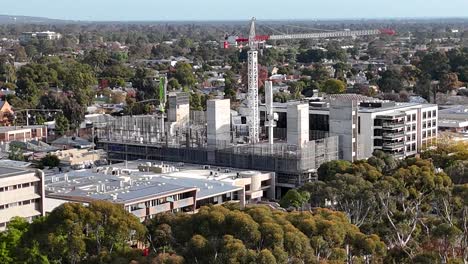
[27, 37]
[17, 133]
[21, 194]
[148, 188]
[80, 158]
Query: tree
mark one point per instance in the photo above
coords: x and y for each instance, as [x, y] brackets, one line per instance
[449, 82]
[311, 55]
[143, 81]
[61, 124]
[294, 198]
[16, 153]
[391, 81]
[50, 161]
[435, 64]
[328, 170]
[80, 79]
[333, 86]
[184, 75]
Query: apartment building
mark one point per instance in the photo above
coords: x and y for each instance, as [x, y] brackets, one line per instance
[365, 124]
[21, 194]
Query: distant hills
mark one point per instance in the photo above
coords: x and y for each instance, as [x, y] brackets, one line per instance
[7, 19]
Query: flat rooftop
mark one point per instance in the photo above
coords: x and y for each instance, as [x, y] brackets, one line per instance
[124, 183]
[4, 129]
[9, 172]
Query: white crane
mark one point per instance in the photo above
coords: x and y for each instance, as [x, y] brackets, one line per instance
[253, 117]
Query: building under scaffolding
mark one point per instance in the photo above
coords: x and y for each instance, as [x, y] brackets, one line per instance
[208, 139]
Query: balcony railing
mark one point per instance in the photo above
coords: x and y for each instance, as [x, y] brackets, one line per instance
[393, 135]
[183, 203]
[392, 125]
[393, 145]
[165, 207]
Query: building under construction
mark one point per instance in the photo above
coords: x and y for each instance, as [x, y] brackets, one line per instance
[211, 138]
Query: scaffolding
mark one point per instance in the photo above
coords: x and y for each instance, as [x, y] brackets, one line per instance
[141, 137]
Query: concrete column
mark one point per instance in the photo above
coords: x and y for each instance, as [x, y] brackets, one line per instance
[298, 124]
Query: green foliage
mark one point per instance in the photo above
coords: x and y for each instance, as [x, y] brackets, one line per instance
[16, 153]
[184, 75]
[73, 233]
[50, 161]
[61, 124]
[333, 86]
[295, 199]
[391, 81]
[412, 207]
[257, 234]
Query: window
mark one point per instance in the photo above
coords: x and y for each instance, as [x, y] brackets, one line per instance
[413, 147]
[434, 113]
[424, 115]
[2, 189]
[414, 117]
[414, 136]
[408, 118]
[414, 127]
[433, 123]
[25, 185]
[359, 125]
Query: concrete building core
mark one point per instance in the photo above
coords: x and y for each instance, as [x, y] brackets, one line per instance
[218, 121]
[343, 123]
[298, 124]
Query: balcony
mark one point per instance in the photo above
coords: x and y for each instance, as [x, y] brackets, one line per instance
[183, 203]
[165, 207]
[393, 125]
[398, 134]
[393, 145]
[139, 212]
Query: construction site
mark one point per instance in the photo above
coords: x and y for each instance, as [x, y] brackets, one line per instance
[208, 138]
[218, 137]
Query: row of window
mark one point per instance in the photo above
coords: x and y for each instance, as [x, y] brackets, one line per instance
[411, 128]
[411, 137]
[411, 147]
[429, 134]
[429, 114]
[17, 186]
[410, 118]
[429, 124]
[21, 203]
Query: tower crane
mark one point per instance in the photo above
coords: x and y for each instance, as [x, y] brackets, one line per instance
[253, 40]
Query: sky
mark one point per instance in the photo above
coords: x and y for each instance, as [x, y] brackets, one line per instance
[153, 10]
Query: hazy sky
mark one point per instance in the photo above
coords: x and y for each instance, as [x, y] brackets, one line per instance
[232, 9]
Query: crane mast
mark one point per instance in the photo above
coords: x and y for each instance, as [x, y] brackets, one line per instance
[253, 118]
